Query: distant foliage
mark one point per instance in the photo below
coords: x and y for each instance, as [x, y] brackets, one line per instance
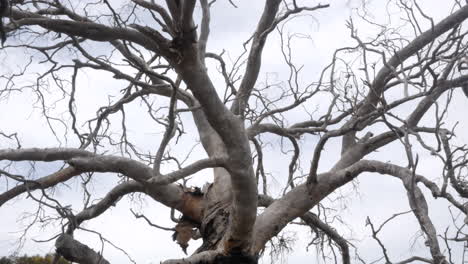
[47, 259]
[5, 260]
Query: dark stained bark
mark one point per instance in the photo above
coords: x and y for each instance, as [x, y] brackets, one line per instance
[75, 251]
[236, 259]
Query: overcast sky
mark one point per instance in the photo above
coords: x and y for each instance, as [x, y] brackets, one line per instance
[376, 195]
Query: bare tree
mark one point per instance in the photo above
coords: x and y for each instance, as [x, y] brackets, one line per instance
[394, 88]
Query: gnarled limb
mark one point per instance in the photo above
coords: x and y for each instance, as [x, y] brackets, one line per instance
[75, 251]
[297, 202]
[203, 257]
[417, 203]
[387, 71]
[255, 57]
[358, 150]
[82, 160]
[47, 154]
[300, 200]
[314, 221]
[42, 183]
[109, 200]
[189, 170]
[170, 195]
[169, 23]
[266, 25]
[204, 29]
[413, 259]
[90, 30]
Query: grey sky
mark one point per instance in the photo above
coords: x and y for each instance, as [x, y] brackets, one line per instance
[377, 196]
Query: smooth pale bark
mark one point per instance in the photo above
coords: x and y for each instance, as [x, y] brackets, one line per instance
[43, 154]
[204, 29]
[254, 60]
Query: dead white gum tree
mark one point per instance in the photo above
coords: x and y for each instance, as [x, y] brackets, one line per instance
[159, 50]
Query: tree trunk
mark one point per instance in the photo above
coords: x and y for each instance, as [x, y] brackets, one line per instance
[236, 259]
[215, 221]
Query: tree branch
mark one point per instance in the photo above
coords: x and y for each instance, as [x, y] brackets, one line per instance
[386, 72]
[203, 257]
[84, 29]
[189, 170]
[42, 183]
[266, 25]
[314, 221]
[204, 29]
[75, 251]
[111, 198]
